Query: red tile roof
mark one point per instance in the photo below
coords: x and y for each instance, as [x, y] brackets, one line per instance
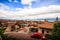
[48, 25]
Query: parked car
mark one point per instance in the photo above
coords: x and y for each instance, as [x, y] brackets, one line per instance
[38, 35]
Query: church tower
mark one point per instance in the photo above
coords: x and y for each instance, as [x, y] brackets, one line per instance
[57, 19]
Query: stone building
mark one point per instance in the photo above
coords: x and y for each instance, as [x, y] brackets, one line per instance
[44, 27]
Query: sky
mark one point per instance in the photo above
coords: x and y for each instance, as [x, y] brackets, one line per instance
[29, 9]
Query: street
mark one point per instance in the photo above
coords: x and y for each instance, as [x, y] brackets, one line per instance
[21, 36]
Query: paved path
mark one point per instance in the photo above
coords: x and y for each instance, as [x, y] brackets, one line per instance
[22, 36]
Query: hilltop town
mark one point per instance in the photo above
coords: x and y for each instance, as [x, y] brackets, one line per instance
[44, 27]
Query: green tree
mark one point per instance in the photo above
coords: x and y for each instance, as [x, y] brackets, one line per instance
[56, 32]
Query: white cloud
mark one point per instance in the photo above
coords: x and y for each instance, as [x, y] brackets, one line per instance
[3, 6]
[30, 13]
[16, 1]
[41, 10]
[25, 1]
[28, 2]
[10, 0]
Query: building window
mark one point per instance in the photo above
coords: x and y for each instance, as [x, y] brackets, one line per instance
[47, 31]
[42, 31]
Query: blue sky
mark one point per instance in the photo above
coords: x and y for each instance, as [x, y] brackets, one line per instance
[34, 4]
[29, 9]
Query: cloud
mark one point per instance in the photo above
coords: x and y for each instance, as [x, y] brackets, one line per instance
[28, 2]
[3, 6]
[16, 1]
[10, 0]
[40, 10]
[30, 13]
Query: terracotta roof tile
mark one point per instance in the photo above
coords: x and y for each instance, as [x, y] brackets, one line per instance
[48, 25]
